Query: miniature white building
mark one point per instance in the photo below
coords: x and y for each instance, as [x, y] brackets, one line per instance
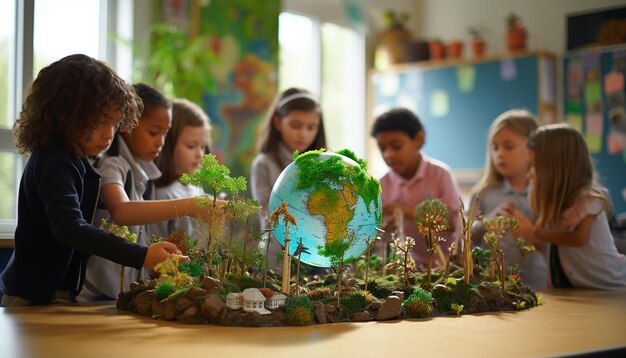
[234, 300]
[253, 300]
[276, 301]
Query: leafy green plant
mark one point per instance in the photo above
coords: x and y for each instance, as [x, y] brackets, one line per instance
[419, 303]
[335, 251]
[496, 228]
[353, 302]
[213, 177]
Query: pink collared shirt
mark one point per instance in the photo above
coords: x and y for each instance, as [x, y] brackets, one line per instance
[432, 180]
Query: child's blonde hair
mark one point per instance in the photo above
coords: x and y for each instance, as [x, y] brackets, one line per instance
[519, 121]
[563, 173]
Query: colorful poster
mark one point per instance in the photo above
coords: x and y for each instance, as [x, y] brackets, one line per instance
[245, 36]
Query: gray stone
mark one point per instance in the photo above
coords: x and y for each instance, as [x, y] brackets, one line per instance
[390, 309]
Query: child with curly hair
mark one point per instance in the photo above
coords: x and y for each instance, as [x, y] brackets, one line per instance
[71, 113]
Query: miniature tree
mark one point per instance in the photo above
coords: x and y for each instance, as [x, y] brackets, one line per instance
[468, 262]
[213, 177]
[496, 228]
[335, 251]
[301, 249]
[432, 218]
[288, 219]
[403, 261]
[268, 238]
[368, 254]
[240, 209]
[124, 233]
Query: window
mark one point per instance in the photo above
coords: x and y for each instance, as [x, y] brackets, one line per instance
[34, 34]
[329, 60]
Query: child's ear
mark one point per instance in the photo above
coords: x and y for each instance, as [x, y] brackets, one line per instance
[420, 139]
[276, 122]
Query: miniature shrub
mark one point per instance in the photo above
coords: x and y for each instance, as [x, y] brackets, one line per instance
[460, 294]
[419, 304]
[331, 279]
[164, 289]
[353, 302]
[299, 316]
[298, 301]
[319, 293]
[193, 269]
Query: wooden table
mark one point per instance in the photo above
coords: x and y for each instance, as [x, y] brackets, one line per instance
[570, 321]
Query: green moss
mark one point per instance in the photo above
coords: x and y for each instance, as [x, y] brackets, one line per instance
[193, 269]
[319, 293]
[164, 289]
[298, 301]
[300, 316]
[353, 302]
[419, 303]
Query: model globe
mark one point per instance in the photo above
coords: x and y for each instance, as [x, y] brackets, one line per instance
[332, 197]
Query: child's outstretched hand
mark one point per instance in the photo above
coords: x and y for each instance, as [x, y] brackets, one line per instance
[526, 228]
[160, 252]
[205, 212]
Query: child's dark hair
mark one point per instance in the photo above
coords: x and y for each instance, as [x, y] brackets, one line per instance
[398, 119]
[151, 99]
[69, 98]
[184, 113]
[292, 99]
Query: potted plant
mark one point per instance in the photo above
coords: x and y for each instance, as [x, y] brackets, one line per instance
[515, 34]
[454, 49]
[479, 45]
[437, 49]
[392, 42]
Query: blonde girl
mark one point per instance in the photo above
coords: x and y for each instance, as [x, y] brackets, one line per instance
[185, 144]
[571, 210]
[504, 186]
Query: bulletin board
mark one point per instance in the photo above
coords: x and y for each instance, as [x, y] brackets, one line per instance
[457, 103]
[595, 104]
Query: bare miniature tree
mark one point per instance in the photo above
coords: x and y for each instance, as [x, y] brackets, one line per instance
[288, 219]
[432, 218]
[496, 228]
[213, 177]
[468, 261]
[404, 261]
[301, 249]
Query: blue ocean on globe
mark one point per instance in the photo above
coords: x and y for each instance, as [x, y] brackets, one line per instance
[335, 207]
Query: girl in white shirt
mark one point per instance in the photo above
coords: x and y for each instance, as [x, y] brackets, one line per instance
[571, 211]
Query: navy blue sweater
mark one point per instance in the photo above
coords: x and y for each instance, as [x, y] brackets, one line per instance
[54, 236]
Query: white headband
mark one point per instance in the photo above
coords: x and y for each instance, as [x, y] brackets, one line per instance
[291, 97]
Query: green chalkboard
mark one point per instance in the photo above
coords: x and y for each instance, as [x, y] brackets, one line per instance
[457, 103]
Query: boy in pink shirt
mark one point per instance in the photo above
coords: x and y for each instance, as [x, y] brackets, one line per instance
[413, 178]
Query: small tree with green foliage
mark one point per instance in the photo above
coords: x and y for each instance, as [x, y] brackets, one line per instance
[214, 177]
[240, 209]
[432, 218]
[301, 249]
[335, 251]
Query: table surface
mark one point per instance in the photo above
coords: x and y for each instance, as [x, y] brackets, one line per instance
[569, 321]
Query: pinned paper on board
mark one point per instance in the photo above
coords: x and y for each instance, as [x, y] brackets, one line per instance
[615, 143]
[592, 60]
[508, 69]
[613, 82]
[593, 96]
[617, 118]
[439, 103]
[466, 78]
[593, 131]
[576, 121]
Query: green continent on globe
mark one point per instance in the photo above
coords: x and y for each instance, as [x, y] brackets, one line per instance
[337, 215]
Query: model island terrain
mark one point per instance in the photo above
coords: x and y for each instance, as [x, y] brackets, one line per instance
[325, 210]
